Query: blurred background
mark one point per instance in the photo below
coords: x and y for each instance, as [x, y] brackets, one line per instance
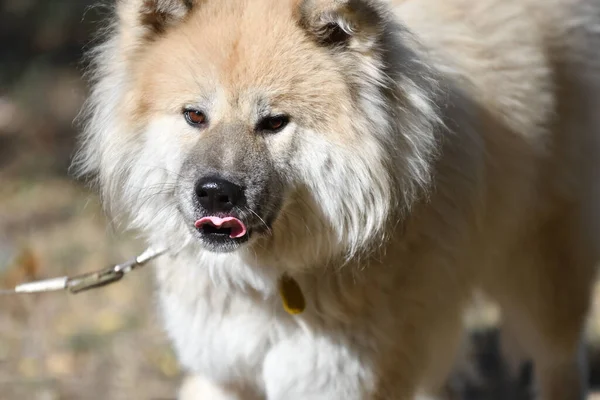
[105, 344]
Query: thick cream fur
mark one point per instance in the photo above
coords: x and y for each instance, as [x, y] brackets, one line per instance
[451, 145]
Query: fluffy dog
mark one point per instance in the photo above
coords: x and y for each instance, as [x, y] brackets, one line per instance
[334, 178]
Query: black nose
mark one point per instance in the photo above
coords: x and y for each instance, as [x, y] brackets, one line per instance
[218, 195]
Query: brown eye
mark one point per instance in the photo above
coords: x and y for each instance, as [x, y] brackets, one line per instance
[194, 117]
[273, 124]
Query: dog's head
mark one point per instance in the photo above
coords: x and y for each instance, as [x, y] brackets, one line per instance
[292, 127]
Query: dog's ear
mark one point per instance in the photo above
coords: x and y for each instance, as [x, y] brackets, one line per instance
[154, 17]
[339, 23]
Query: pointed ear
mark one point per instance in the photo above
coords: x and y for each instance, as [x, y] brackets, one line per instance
[154, 17]
[339, 23]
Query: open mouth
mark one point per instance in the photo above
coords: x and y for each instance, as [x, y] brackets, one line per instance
[225, 227]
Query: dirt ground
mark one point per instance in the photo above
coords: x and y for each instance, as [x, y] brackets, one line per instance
[105, 344]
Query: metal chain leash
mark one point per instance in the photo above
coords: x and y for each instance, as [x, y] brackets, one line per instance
[87, 281]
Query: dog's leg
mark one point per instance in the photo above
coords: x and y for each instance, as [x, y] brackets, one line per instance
[558, 356]
[563, 377]
[324, 368]
[556, 348]
[545, 296]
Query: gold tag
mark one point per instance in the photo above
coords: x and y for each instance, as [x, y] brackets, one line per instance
[291, 295]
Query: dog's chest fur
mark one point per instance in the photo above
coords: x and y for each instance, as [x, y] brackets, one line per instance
[245, 340]
[350, 327]
[222, 334]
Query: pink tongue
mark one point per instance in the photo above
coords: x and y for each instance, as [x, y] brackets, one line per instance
[238, 229]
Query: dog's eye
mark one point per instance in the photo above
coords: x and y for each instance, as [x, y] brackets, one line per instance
[273, 124]
[194, 117]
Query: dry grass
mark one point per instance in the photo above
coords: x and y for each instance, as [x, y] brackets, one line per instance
[104, 344]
